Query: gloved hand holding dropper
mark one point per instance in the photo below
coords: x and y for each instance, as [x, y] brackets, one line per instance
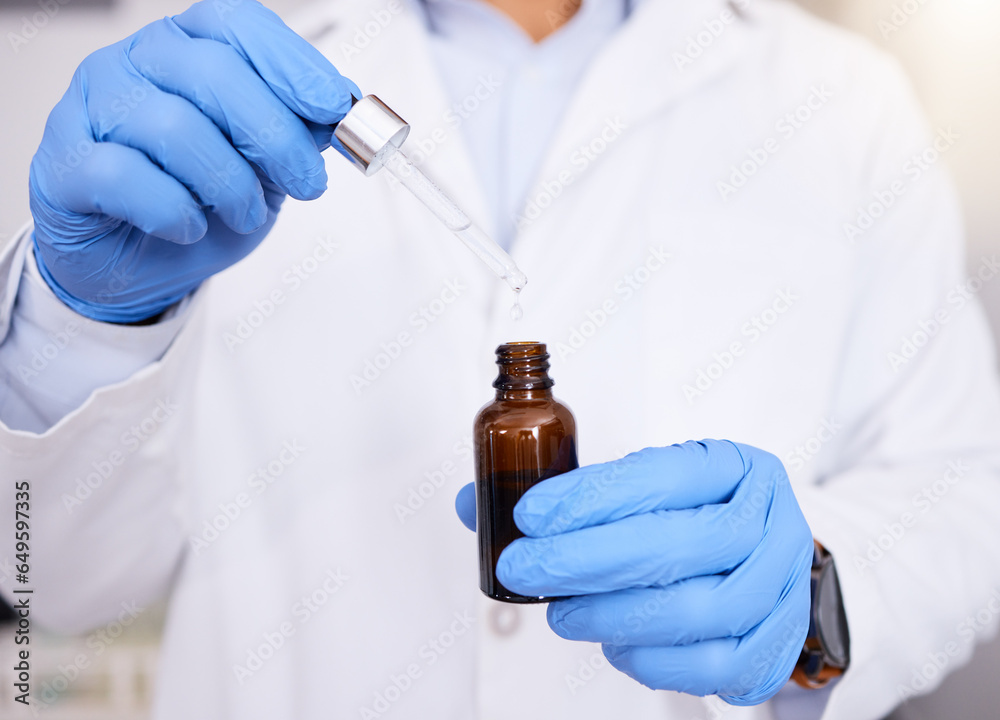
[168, 158]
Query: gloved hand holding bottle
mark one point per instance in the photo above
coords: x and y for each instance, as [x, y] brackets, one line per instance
[690, 564]
[168, 158]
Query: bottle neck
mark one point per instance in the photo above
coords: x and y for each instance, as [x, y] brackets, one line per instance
[529, 394]
[523, 372]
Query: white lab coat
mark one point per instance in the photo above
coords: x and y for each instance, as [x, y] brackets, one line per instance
[764, 325]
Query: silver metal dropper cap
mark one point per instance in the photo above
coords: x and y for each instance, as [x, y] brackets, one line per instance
[367, 129]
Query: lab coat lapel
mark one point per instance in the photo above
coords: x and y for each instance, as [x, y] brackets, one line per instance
[640, 71]
[646, 65]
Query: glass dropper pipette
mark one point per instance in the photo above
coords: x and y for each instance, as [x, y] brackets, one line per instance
[454, 219]
[372, 133]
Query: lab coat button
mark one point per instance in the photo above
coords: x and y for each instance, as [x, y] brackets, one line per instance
[505, 619]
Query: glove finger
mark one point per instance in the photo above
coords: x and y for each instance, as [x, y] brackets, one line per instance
[700, 669]
[702, 608]
[237, 100]
[295, 71]
[652, 549]
[465, 506]
[122, 183]
[669, 478]
[188, 146]
[744, 671]
[697, 609]
[322, 135]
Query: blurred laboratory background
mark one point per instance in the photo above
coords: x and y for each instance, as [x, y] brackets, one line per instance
[949, 47]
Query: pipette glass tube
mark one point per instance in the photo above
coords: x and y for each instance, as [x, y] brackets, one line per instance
[453, 218]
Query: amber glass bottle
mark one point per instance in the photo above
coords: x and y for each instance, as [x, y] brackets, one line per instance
[525, 435]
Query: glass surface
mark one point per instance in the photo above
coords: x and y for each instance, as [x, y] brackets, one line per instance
[831, 617]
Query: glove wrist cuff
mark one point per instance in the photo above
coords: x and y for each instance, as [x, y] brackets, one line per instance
[118, 314]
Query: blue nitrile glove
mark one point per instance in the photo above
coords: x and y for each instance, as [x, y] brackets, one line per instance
[169, 156]
[690, 563]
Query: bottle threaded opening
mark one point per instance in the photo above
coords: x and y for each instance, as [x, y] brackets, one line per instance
[524, 365]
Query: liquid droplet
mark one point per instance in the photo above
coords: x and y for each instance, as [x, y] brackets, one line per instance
[516, 312]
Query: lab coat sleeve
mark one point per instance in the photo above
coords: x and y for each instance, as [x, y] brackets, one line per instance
[909, 502]
[51, 358]
[105, 525]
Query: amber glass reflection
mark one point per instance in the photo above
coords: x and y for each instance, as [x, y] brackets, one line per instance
[524, 436]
